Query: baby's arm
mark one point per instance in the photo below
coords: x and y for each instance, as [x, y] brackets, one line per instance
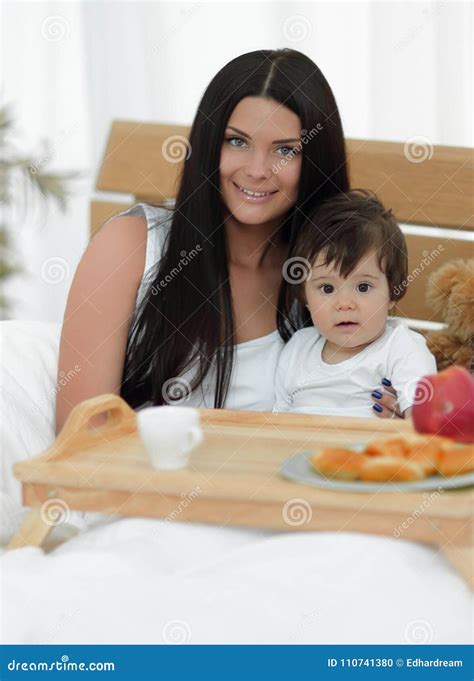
[410, 360]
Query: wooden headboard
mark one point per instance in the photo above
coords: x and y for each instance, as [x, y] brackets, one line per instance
[429, 188]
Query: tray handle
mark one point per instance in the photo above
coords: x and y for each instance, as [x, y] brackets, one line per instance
[76, 430]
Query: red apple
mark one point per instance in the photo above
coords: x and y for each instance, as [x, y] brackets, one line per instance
[444, 404]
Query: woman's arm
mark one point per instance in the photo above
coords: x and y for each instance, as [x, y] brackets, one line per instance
[98, 314]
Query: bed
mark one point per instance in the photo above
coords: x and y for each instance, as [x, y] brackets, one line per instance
[102, 579]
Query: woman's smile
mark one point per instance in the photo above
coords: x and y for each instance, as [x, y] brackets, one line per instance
[252, 195]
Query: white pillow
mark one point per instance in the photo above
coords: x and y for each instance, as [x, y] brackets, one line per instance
[29, 360]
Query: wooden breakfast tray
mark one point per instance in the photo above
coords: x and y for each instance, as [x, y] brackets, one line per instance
[232, 479]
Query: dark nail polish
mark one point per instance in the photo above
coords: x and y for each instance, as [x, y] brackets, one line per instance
[385, 381]
[376, 394]
[377, 407]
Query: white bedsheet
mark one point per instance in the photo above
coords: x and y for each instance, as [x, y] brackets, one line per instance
[149, 581]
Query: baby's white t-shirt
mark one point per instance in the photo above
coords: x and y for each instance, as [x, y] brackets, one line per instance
[305, 383]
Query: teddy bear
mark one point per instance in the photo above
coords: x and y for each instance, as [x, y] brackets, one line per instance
[450, 291]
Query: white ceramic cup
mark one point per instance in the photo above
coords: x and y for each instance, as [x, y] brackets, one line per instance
[169, 433]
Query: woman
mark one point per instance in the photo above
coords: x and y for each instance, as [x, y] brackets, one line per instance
[266, 145]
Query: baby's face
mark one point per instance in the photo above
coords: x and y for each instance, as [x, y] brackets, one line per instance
[349, 312]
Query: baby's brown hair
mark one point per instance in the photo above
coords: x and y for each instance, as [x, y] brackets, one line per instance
[346, 227]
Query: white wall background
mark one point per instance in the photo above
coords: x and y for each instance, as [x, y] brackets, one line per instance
[398, 70]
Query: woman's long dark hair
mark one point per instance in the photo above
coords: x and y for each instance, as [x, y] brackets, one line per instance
[186, 320]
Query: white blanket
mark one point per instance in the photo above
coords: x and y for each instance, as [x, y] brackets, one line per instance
[149, 581]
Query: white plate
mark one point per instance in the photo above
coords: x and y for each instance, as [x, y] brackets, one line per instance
[299, 469]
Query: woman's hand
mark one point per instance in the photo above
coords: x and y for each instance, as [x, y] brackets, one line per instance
[385, 402]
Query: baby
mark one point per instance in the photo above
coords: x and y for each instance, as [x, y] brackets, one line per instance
[356, 258]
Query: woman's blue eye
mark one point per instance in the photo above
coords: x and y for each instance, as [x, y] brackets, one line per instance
[363, 288]
[231, 139]
[326, 288]
[291, 150]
